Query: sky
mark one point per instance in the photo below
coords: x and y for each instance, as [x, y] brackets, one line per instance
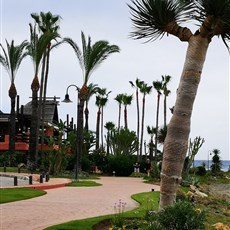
[110, 20]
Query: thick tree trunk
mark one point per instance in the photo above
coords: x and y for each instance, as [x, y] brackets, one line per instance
[33, 150]
[86, 118]
[98, 128]
[176, 143]
[80, 112]
[12, 95]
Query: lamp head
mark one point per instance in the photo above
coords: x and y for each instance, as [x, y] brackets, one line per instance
[67, 100]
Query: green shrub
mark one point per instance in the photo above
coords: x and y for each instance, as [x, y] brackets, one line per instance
[121, 164]
[200, 171]
[181, 216]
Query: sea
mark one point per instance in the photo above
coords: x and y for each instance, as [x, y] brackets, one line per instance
[225, 164]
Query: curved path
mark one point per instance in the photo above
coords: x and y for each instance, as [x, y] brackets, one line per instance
[63, 204]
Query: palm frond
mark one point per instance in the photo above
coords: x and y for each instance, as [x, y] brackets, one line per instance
[13, 57]
[77, 51]
[151, 17]
[220, 13]
[98, 53]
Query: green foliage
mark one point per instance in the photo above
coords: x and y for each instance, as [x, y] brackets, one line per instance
[193, 149]
[155, 171]
[118, 218]
[84, 183]
[13, 160]
[100, 160]
[181, 216]
[123, 141]
[216, 165]
[200, 171]
[121, 164]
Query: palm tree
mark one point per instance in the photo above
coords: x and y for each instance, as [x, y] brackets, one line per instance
[11, 61]
[92, 89]
[110, 127]
[216, 165]
[158, 86]
[36, 49]
[126, 100]
[90, 57]
[165, 80]
[47, 22]
[153, 19]
[144, 89]
[151, 131]
[137, 86]
[118, 98]
[101, 100]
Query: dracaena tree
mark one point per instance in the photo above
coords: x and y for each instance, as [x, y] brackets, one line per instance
[90, 57]
[36, 48]
[137, 86]
[11, 61]
[46, 22]
[152, 19]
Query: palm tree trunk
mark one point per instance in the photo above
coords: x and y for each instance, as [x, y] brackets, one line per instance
[165, 110]
[80, 120]
[142, 124]
[157, 121]
[98, 128]
[176, 143]
[102, 116]
[125, 117]
[86, 118]
[119, 116]
[12, 95]
[32, 156]
[138, 126]
[43, 105]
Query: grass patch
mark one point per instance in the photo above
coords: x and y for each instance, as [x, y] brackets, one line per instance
[144, 199]
[83, 183]
[15, 194]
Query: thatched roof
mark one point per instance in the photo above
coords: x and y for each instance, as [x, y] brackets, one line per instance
[51, 112]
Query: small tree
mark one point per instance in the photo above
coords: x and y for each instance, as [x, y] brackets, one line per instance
[193, 149]
[123, 141]
[216, 165]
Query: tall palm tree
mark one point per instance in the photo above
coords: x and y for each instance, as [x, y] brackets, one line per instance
[144, 89]
[47, 22]
[153, 19]
[158, 86]
[92, 89]
[36, 49]
[11, 61]
[126, 100]
[110, 127]
[151, 131]
[118, 98]
[101, 100]
[137, 86]
[90, 57]
[165, 80]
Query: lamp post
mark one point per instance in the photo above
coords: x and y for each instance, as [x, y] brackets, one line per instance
[209, 153]
[67, 100]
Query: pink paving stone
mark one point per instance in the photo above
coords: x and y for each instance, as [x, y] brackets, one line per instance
[63, 204]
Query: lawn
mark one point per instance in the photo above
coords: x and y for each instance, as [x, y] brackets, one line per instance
[146, 200]
[14, 194]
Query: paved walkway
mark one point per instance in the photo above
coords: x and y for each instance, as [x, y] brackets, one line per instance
[63, 204]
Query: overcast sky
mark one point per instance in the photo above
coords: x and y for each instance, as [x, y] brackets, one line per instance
[110, 20]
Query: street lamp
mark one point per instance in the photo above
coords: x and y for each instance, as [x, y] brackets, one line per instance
[67, 100]
[209, 153]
